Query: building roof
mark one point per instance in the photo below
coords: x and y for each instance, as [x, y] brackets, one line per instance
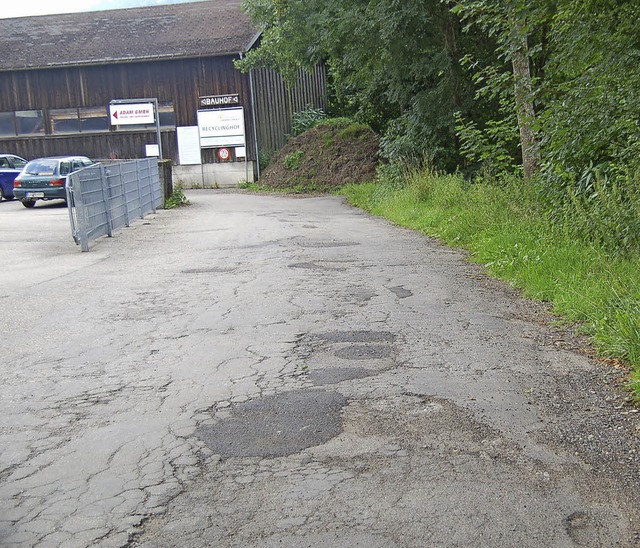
[194, 29]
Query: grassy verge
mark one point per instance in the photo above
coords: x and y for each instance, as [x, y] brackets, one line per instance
[505, 229]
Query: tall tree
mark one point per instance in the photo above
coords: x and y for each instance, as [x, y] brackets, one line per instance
[511, 23]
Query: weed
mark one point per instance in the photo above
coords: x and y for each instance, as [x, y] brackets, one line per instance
[306, 119]
[177, 199]
[293, 160]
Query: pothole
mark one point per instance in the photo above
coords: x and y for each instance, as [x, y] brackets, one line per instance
[277, 426]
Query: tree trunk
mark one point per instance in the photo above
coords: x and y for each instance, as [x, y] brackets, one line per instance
[524, 99]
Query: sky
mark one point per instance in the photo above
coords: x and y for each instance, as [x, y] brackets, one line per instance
[47, 7]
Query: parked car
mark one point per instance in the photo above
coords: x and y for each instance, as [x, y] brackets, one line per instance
[46, 178]
[10, 166]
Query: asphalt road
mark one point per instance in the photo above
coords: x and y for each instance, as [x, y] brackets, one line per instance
[262, 371]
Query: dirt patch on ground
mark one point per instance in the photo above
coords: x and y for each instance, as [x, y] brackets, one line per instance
[324, 158]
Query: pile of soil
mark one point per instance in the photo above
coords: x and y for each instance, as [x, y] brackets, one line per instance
[324, 158]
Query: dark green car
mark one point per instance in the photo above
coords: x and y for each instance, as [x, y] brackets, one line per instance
[46, 178]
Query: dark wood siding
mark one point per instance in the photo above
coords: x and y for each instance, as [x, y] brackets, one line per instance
[276, 102]
[181, 82]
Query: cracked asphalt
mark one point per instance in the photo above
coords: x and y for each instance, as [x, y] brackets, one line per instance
[269, 371]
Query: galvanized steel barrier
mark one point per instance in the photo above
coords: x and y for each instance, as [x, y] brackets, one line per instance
[103, 198]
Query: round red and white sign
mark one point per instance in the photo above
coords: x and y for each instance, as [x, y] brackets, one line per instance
[224, 154]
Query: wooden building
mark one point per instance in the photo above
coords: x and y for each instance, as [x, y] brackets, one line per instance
[59, 74]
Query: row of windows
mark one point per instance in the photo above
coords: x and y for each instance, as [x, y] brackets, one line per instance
[66, 121]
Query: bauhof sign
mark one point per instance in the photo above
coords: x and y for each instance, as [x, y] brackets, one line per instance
[213, 101]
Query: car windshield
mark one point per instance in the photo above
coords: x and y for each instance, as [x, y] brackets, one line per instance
[41, 167]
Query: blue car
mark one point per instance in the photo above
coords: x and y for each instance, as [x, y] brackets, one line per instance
[10, 166]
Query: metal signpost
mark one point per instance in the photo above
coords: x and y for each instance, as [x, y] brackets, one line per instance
[123, 112]
[222, 128]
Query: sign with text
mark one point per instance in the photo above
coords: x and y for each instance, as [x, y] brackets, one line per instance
[188, 145]
[131, 114]
[221, 128]
[212, 101]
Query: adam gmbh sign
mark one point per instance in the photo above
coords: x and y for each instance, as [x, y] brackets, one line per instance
[122, 114]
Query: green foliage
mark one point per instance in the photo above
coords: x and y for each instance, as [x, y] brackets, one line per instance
[293, 160]
[491, 151]
[353, 131]
[306, 119]
[437, 79]
[386, 60]
[591, 117]
[505, 229]
[264, 158]
[177, 199]
[599, 209]
[392, 175]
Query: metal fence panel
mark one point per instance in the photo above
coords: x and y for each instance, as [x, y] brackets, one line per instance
[104, 198]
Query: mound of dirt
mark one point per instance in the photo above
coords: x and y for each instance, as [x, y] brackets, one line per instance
[324, 158]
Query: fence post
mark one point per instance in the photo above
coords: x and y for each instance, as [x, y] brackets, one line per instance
[106, 200]
[77, 212]
[150, 165]
[123, 192]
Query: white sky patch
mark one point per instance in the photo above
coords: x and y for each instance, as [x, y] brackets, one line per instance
[47, 7]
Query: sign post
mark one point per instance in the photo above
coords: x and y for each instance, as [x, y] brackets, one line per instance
[126, 112]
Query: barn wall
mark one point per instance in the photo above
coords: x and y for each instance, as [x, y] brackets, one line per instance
[276, 102]
[180, 82]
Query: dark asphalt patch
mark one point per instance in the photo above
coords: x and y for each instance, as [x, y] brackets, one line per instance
[364, 352]
[277, 426]
[334, 375]
[400, 292]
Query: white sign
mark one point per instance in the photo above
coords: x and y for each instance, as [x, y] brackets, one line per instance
[188, 145]
[152, 150]
[221, 128]
[134, 113]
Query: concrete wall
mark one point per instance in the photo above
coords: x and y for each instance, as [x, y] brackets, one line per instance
[216, 175]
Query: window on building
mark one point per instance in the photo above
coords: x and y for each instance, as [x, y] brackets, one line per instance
[7, 124]
[64, 120]
[167, 115]
[29, 122]
[94, 119]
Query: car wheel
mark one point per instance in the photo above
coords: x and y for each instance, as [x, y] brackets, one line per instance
[1, 194]
[29, 203]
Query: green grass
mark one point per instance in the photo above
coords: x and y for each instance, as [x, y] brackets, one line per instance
[505, 228]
